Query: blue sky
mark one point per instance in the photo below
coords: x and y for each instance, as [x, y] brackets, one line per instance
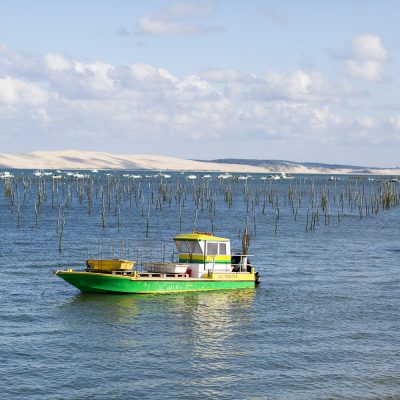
[298, 80]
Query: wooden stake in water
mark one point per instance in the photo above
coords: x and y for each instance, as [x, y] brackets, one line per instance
[61, 233]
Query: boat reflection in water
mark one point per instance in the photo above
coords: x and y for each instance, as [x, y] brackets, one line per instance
[194, 307]
[201, 333]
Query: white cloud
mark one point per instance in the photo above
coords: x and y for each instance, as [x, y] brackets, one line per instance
[301, 119]
[143, 78]
[194, 82]
[17, 91]
[96, 75]
[41, 115]
[19, 65]
[368, 58]
[172, 21]
[299, 86]
[299, 83]
[368, 70]
[223, 75]
[201, 8]
[166, 26]
[55, 62]
[142, 71]
[102, 105]
[394, 122]
[366, 122]
[369, 47]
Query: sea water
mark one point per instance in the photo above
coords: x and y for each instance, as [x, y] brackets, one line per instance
[324, 324]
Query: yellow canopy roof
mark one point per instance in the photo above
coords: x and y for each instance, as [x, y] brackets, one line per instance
[198, 236]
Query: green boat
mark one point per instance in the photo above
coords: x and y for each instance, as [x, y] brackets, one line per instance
[204, 263]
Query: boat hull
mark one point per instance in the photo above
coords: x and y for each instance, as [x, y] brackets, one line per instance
[88, 282]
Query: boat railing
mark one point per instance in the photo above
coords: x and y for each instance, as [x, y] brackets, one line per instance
[242, 265]
[140, 251]
[150, 250]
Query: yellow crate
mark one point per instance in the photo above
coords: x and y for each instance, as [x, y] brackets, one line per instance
[110, 265]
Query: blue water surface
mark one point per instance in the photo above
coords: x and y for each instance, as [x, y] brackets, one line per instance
[324, 324]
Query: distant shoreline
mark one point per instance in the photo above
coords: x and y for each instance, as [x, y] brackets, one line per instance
[87, 160]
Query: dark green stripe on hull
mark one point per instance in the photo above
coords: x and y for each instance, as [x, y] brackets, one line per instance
[102, 283]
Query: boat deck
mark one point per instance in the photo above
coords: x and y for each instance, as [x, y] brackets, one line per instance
[140, 274]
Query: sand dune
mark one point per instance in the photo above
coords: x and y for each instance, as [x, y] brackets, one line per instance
[74, 159]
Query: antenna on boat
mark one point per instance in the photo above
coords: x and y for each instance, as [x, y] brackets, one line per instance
[245, 247]
[246, 241]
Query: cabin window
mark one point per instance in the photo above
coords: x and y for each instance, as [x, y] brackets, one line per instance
[212, 249]
[194, 247]
[188, 246]
[222, 249]
[181, 246]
